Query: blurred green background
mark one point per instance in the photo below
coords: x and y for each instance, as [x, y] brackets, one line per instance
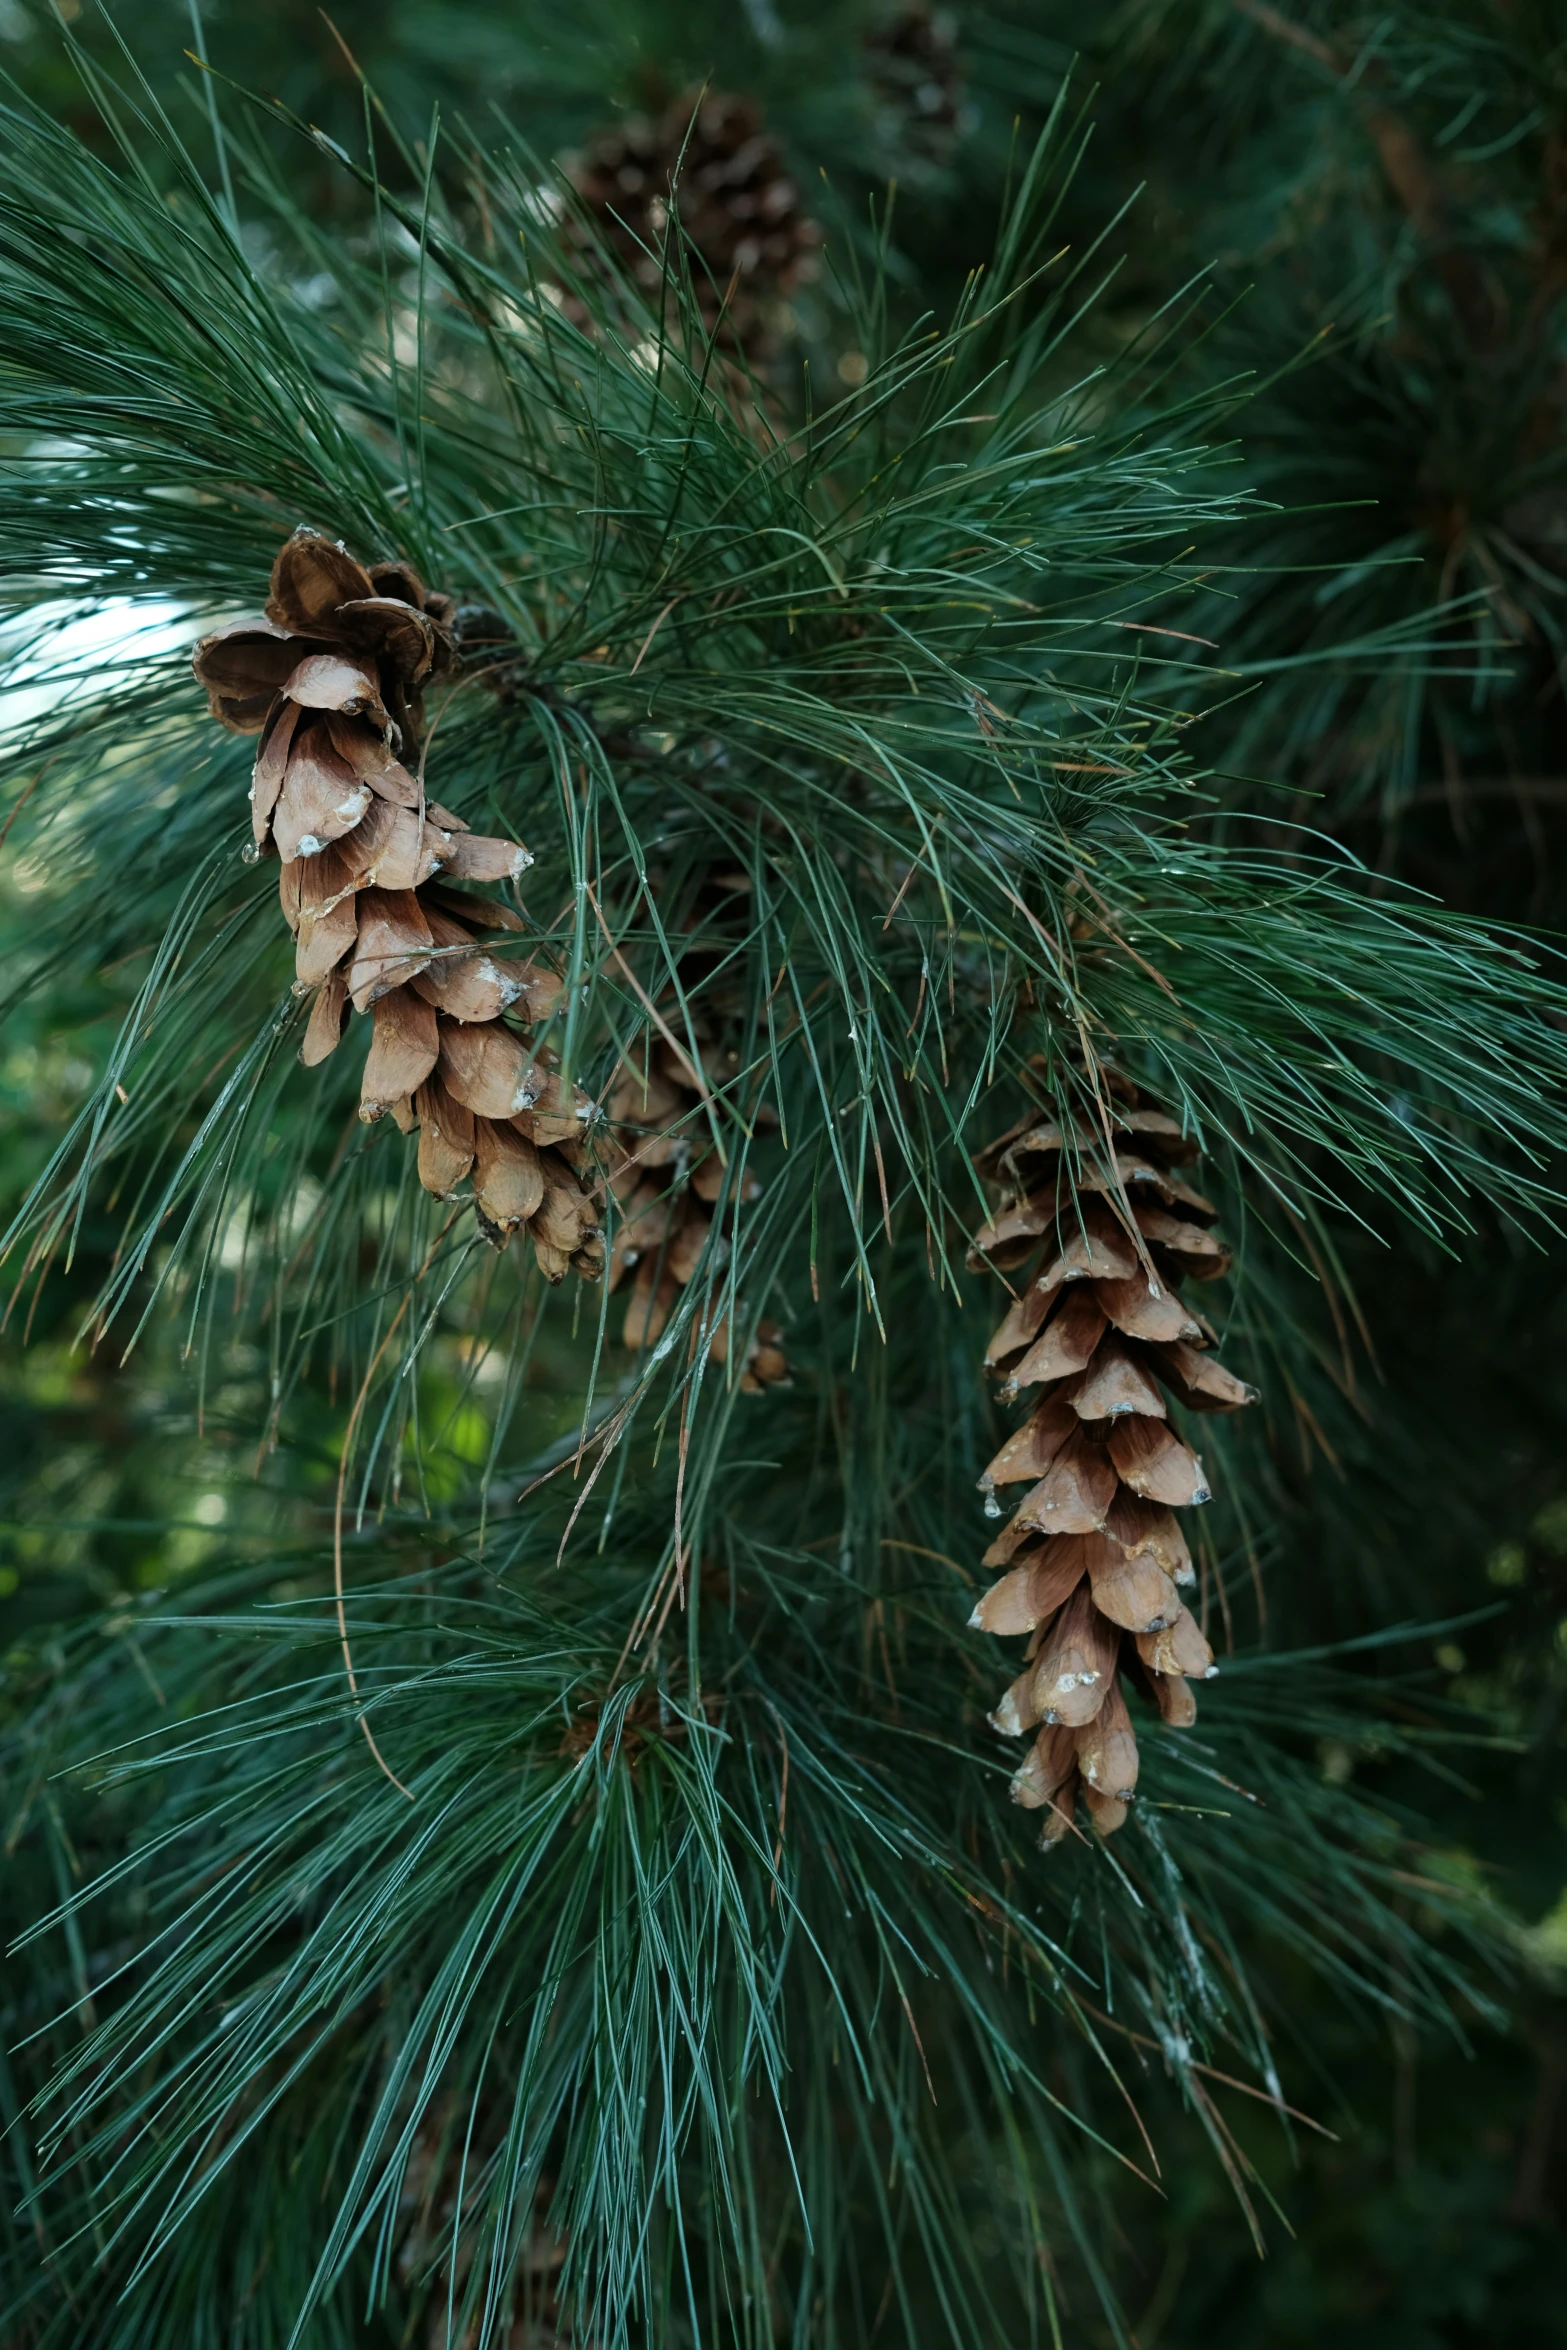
[1369, 209]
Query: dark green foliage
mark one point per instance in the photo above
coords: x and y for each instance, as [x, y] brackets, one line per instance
[707, 1942]
[1393, 182]
[748, 1877]
[831, 76]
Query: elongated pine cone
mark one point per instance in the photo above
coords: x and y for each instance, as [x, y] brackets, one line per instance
[668, 1179]
[1094, 1555]
[332, 679]
[752, 240]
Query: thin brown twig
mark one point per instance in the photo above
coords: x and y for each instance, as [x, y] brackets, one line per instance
[903, 887]
[572, 1460]
[1131, 2103]
[919, 1550]
[1246, 2088]
[19, 805]
[582, 1498]
[652, 633]
[908, 2012]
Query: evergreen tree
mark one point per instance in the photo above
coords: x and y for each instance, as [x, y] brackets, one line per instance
[556, 1831]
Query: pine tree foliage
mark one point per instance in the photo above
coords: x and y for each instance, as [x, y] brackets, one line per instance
[1390, 183]
[592, 1834]
[867, 91]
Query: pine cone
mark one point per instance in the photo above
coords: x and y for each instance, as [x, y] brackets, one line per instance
[1094, 1555]
[915, 70]
[332, 679]
[752, 241]
[668, 1178]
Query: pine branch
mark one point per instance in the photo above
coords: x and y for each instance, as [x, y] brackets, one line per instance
[850, 734]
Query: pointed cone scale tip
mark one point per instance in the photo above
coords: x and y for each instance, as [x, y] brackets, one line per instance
[312, 576]
[1005, 1720]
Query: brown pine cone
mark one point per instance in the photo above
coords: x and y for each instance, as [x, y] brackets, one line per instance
[332, 679]
[752, 241]
[667, 1178]
[1094, 1557]
[916, 71]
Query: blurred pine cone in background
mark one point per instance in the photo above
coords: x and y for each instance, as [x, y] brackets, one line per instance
[750, 238]
[916, 72]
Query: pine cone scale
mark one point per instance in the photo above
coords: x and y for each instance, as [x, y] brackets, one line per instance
[323, 941]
